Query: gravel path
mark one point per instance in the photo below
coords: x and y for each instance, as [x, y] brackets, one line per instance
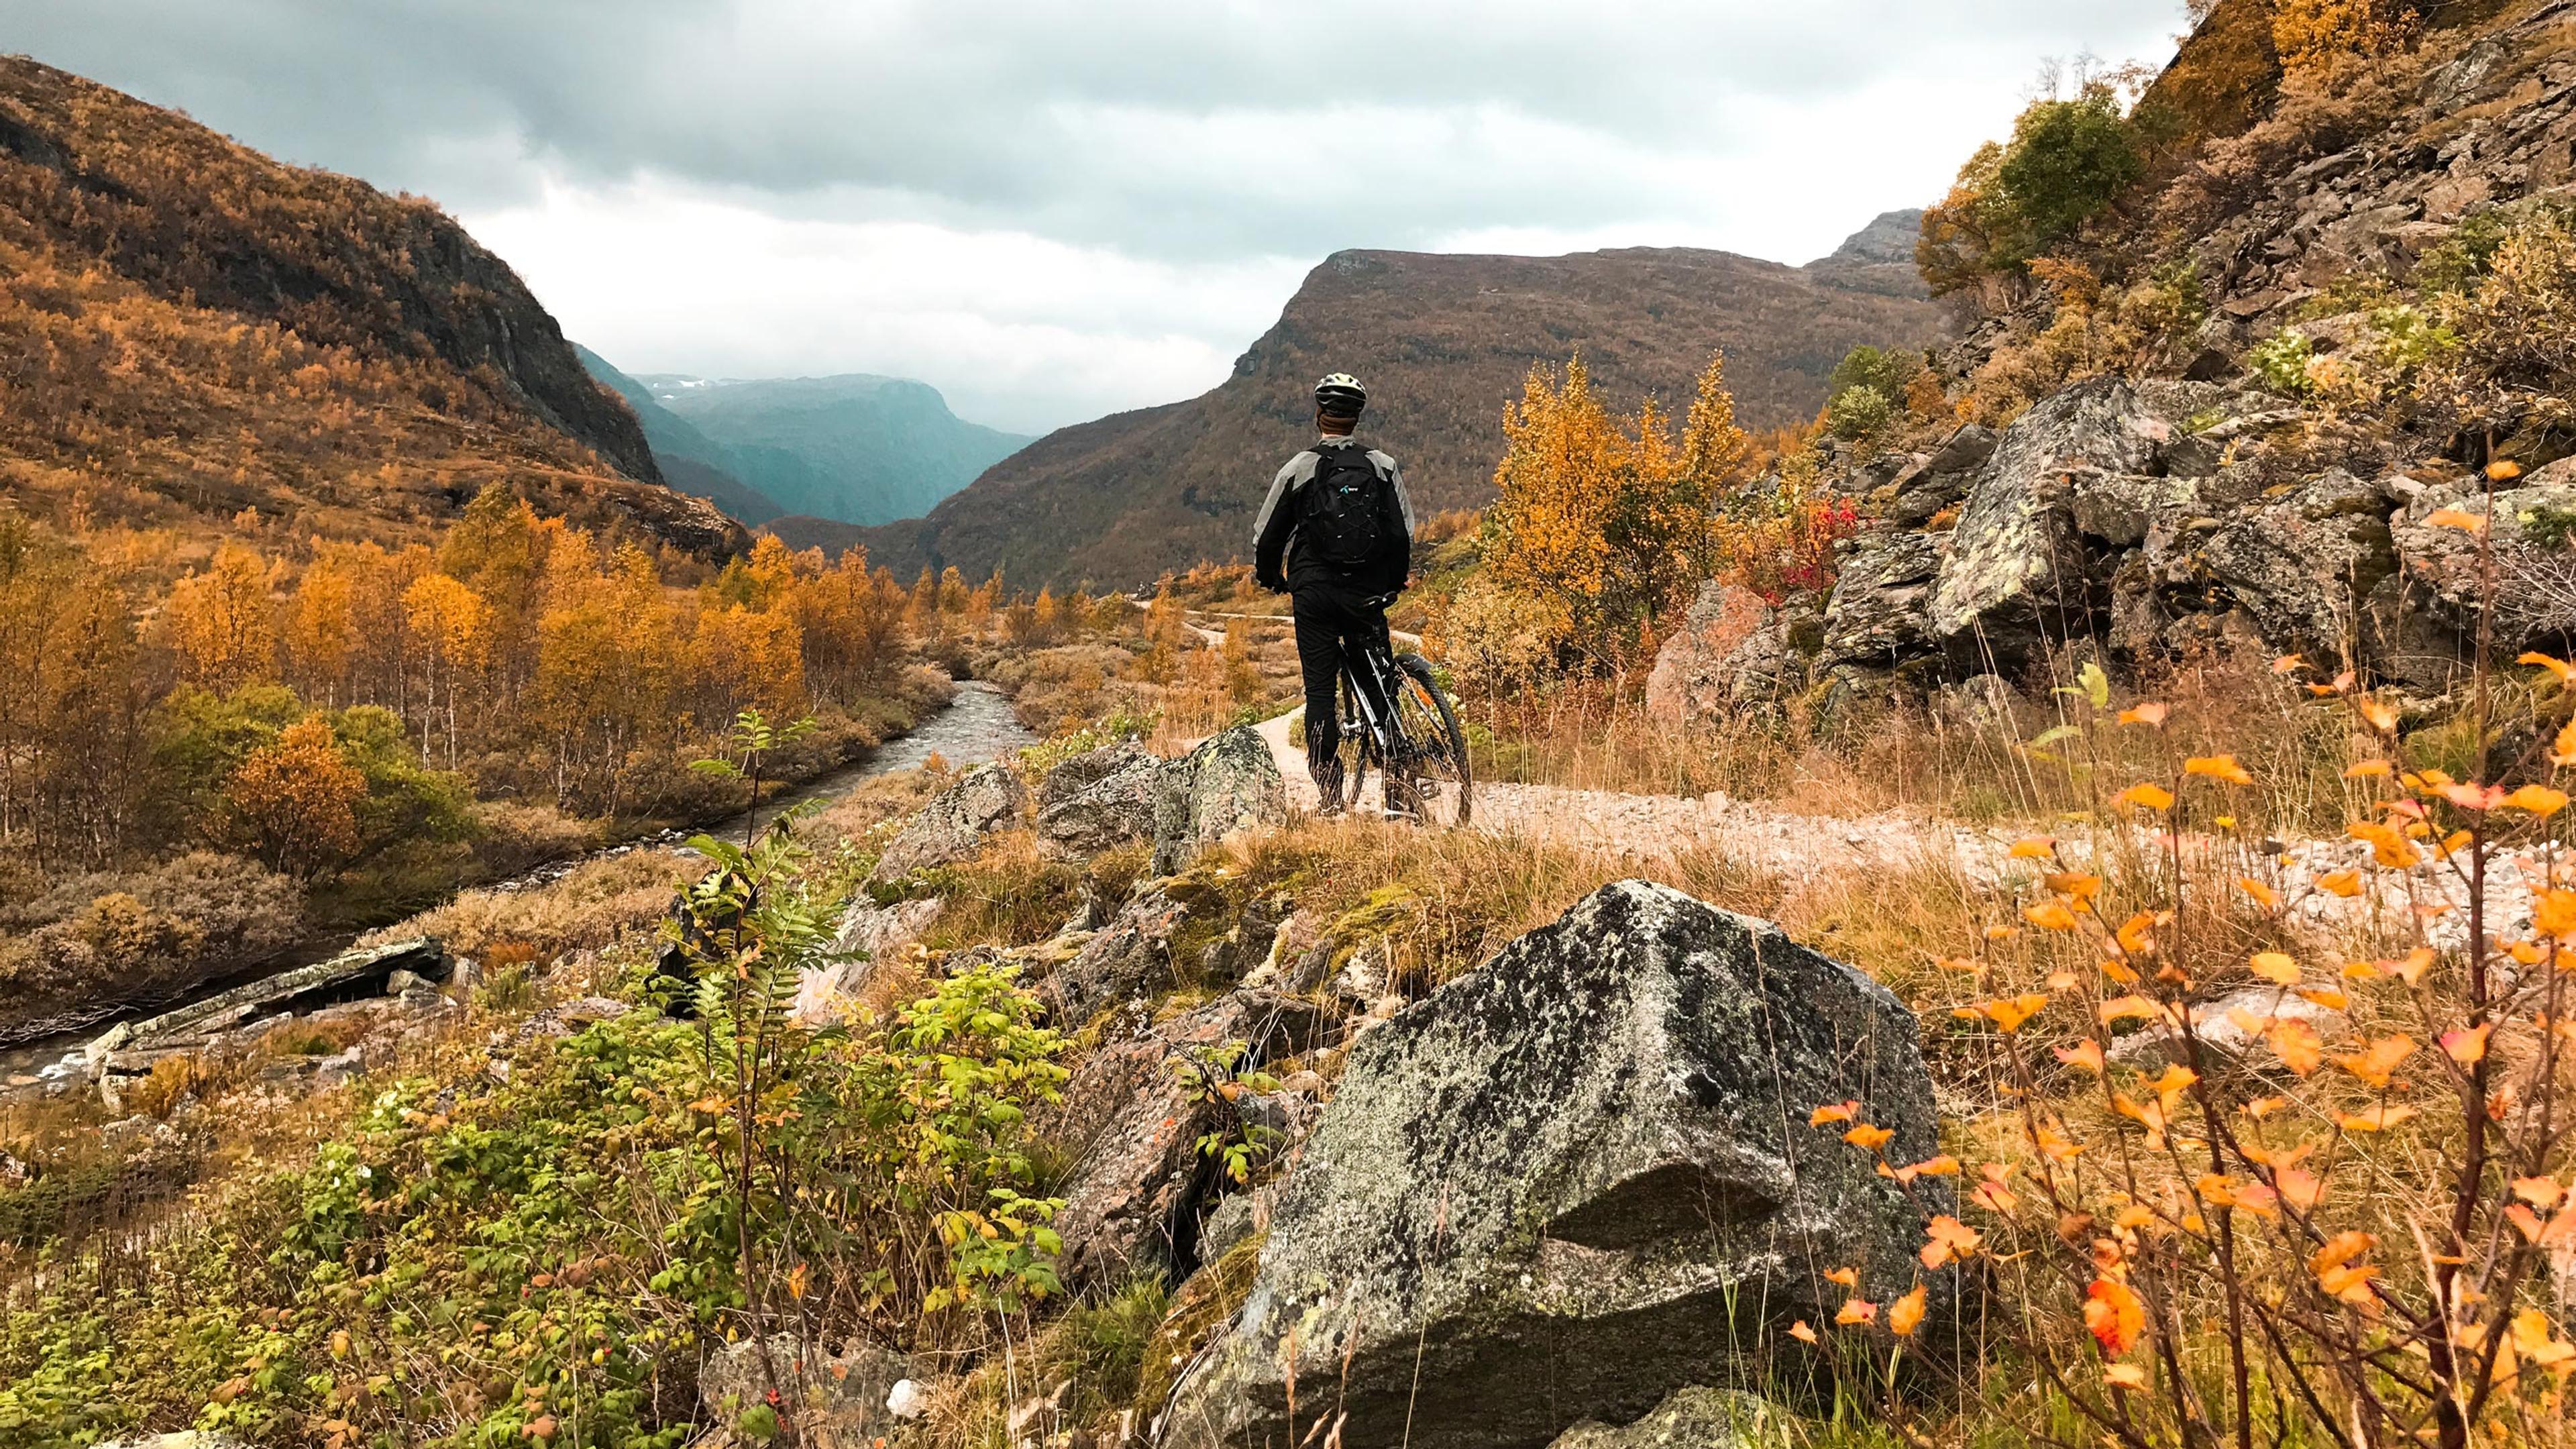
[2431, 900]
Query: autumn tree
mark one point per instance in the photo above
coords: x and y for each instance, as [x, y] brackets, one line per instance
[1167, 634]
[2311, 35]
[453, 629]
[1607, 524]
[294, 804]
[322, 629]
[2067, 162]
[221, 621]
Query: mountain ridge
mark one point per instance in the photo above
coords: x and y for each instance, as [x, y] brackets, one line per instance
[1444, 342]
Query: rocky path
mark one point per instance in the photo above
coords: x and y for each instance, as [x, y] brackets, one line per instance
[1660, 828]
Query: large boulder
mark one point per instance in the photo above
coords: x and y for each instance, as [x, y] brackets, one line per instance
[2301, 565]
[2532, 531]
[2016, 563]
[953, 825]
[1876, 612]
[1721, 641]
[1578, 1179]
[1229, 783]
[1099, 800]
[1133, 1204]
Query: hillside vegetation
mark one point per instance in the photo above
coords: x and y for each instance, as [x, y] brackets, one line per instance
[189, 329]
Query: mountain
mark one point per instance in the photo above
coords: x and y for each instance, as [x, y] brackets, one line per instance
[690, 460]
[1443, 342]
[855, 448]
[189, 329]
[1878, 258]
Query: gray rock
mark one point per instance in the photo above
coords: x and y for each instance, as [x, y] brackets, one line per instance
[420, 954]
[2016, 564]
[1130, 959]
[868, 934]
[2300, 566]
[2230, 1028]
[1876, 612]
[566, 1017]
[1133, 1203]
[339, 1069]
[1109, 809]
[1698, 669]
[1578, 1179]
[1694, 1418]
[1234, 1219]
[2534, 552]
[1967, 448]
[2121, 508]
[1227, 784]
[830, 1401]
[1085, 770]
[952, 827]
[402, 981]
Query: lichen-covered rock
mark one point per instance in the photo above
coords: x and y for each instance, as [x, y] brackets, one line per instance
[1100, 800]
[1876, 613]
[1697, 670]
[1694, 1418]
[1134, 1200]
[953, 825]
[2016, 562]
[828, 1400]
[2532, 530]
[2301, 565]
[1229, 783]
[1577, 1179]
[1130, 959]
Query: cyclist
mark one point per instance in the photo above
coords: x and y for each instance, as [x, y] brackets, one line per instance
[1336, 536]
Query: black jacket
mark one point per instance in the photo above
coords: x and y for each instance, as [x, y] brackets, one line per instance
[1276, 560]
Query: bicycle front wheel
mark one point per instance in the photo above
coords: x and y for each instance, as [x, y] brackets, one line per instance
[1434, 780]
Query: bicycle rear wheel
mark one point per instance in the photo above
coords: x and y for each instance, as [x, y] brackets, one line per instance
[1434, 783]
[1355, 751]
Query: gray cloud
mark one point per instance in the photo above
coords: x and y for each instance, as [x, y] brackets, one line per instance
[1174, 128]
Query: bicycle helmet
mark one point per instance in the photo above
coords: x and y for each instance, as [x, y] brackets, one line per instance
[1340, 395]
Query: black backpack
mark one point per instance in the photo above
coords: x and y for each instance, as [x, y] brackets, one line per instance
[1341, 518]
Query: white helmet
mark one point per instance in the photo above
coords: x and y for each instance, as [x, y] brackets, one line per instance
[1341, 395]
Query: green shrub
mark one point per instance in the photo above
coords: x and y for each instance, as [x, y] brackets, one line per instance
[2281, 362]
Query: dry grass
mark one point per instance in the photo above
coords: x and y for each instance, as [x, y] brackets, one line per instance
[590, 908]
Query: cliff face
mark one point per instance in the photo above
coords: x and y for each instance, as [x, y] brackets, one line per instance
[277, 334]
[1443, 343]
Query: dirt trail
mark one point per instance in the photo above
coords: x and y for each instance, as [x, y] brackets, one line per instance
[1650, 828]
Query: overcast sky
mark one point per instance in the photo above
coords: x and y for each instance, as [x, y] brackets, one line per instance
[1053, 210]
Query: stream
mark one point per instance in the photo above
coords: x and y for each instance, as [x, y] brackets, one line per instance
[975, 727]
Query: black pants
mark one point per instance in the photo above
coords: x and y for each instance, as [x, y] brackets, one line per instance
[1333, 625]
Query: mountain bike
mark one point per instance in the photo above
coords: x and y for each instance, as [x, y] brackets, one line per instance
[1395, 717]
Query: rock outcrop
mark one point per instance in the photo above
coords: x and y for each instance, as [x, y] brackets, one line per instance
[1099, 800]
[830, 1400]
[1227, 784]
[1576, 1180]
[1132, 1206]
[1728, 639]
[953, 825]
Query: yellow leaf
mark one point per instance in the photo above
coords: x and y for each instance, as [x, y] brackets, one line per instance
[2540, 1192]
[1834, 1112]
[2084, 1056]
[1855, 1310]
[1947, 1238]
[2344, 883]
[1906, 1313]
[2151, 715]
[2377, 715]
[2008, 1016]
[2276, 968]
[2263, 895]
[2122, 1007]
[2370, 770]
[1847, 1277]
[2050, 916]
[2454, 518]
[2374, 1119]
[1865, 1135]
[2373, 1064]
[2559, 667]
[2126, 1376]
[2037, 847]
[2218, 767]
[2116, 1315]
[2540, 800]
[2146, 796]
[2504, 470]
[1801, 1332]
[2563, 752]
[2297, 1045]
[2468, 1046]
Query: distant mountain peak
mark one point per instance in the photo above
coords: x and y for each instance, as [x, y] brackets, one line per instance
[1877, 258]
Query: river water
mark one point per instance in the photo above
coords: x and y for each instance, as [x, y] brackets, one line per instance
[976, 727]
